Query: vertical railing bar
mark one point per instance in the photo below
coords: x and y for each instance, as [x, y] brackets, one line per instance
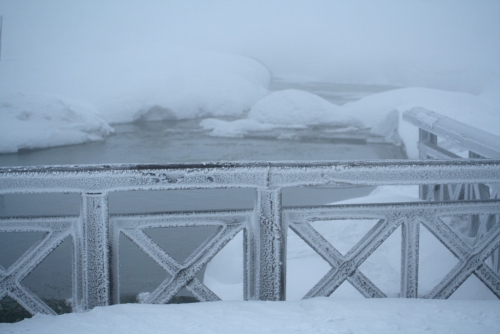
[410, 235]
[425, 137]
[77, 302]
[250, 267]
[266, 248]
[94, 252]
[114, 249]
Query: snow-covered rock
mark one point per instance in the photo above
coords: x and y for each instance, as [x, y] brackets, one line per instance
[293, 106]
[241, 127]
[40, 121]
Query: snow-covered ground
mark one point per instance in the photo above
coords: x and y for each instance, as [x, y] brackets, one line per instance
[318, 315]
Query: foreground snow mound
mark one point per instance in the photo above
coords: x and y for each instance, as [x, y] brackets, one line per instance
[317, 315]
[292, 106]
[39, 121]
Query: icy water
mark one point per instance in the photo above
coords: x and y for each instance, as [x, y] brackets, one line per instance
[177, 141]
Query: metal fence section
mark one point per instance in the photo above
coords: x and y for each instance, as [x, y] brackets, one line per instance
[477, 144]
[95, 232]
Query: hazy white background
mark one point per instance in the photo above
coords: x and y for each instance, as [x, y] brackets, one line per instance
[446, 44]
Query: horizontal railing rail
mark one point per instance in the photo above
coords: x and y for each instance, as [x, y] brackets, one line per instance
[108, 178]
[433, 125]
[95, 233]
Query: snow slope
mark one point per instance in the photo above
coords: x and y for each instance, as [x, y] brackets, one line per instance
[317, 315]
[292, 106]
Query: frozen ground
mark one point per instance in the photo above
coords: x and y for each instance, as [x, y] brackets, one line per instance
[318, 315]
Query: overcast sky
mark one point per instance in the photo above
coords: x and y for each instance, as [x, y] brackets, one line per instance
[440, 44]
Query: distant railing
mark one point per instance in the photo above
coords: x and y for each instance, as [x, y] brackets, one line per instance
[95, 232]
[477, 144]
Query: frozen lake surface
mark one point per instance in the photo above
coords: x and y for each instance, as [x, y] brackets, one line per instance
[179, 141]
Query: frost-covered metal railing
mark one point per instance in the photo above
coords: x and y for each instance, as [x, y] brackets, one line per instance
[476, 144]
[95, 232]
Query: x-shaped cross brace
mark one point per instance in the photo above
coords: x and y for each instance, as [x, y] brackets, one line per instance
[392, 216]
[345, 267]
[184, 275]
[471, 260]
[57, 230]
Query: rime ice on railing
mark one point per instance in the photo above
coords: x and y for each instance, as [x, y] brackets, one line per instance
[95, 233]
[479, 145]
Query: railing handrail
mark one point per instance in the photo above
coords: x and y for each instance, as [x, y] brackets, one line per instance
[472, 138]
[108, 178]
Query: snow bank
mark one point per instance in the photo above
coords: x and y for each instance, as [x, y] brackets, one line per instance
[124, 86]
[224, 275]
[241, 127]
[196, 84]
[381, 112]
[378, 111]
[41, 121]
[293, 106]
[168, 82]
[318, 315]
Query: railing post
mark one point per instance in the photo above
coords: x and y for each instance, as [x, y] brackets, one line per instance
[92, 253]
[429, 138]
[410, 235]
[265, 249]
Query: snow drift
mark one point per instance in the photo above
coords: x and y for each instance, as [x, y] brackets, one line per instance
[175, 83]
[381, 113]
[289, 107]
[41, 121]
[317, 315]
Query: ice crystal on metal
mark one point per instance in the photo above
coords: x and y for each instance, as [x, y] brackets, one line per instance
[451, 188]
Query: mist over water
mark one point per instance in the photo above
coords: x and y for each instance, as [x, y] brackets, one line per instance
[443, 44]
